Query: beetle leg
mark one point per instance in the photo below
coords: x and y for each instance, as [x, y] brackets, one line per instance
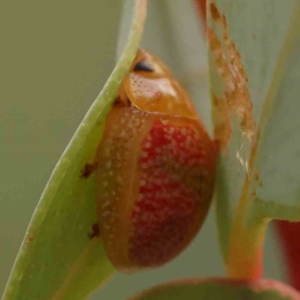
[95, 231]
[88, 169]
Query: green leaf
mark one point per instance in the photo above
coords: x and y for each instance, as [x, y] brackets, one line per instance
[58, 259]
[216, 288]
[254, 69]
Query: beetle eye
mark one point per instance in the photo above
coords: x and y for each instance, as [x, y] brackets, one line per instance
[143, 66]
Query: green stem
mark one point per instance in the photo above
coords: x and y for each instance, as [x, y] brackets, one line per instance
[245, 257]
[246, 240]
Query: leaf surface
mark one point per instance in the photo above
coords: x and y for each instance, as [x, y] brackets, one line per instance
[58, 259]
[254, 66]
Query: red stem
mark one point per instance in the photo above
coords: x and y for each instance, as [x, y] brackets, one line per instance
[201, 4]
[290, 243]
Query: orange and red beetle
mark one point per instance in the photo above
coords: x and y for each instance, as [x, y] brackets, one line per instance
[156, 169]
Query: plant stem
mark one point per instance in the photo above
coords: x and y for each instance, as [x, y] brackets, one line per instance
[246, 241]
[245, 258]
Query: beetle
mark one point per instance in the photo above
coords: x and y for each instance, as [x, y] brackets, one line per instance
[156, 169]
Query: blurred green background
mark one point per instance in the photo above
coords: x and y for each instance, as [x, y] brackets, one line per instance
[55, 58]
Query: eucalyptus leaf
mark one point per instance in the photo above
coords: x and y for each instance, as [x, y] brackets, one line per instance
[255, 97]
[214, 288]
[58, 259]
